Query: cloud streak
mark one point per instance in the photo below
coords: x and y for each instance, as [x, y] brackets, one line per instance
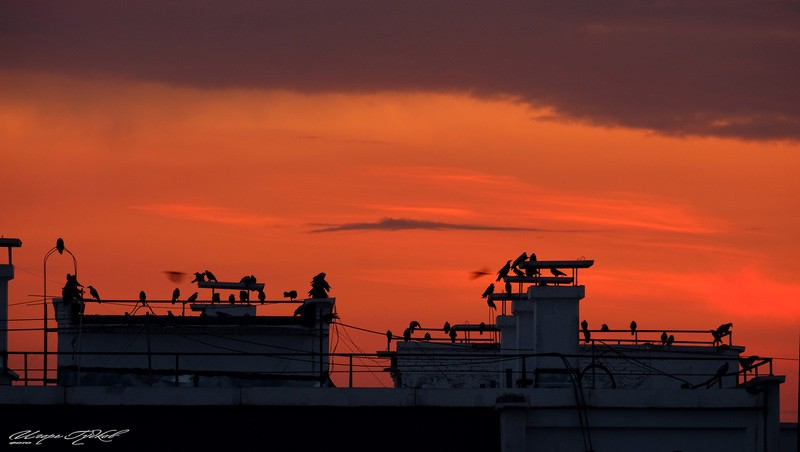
[724, 68]
[404, 224]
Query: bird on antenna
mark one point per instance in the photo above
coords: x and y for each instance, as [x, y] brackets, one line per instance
[60, 245]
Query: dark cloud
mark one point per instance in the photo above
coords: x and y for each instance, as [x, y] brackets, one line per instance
[717, 68]
[402, 224]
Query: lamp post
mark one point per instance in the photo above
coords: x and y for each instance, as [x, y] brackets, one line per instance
[60, 248]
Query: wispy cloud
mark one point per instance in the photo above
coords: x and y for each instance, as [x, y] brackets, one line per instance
[211, 214]
[404, 224]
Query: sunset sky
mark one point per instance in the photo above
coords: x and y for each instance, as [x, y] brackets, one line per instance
[399, 146]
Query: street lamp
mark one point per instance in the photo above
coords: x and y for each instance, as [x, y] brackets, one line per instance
[60, 249]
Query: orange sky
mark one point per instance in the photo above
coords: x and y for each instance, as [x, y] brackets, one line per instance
[397, 194]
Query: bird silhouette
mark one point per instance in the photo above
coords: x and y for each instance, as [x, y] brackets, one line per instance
[211, 276]
[557, 272]
[664, 338]
[584, 325]
[604, 327]
[192, 298]
[232, 298]
[491, 304]
[407, 334]
[299, 311]
[170, 314]
[413, 325]
[532, 257]
[747, 363]
[319, 287]
[261, 296]
[60, 245]
[446, 327]
[175, 294]
[215, 297]
[199, 277]
[489, 290]
[143, 298]
[427, 336]
[587, 335]
[452, 335]
[292, 294]
[670, 340]
[508, 289]
[531, 271]
[481, 328]
[518, 272]
[389, 339]
[244, 295]
[503, 272]
[520, 259]
[633, 327]
[93, 293]
[723, 369]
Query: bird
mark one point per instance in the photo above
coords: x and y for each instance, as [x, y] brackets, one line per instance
[587, 335]
[192, 297]
[584, 325]
[633, 327]
[427, 336]
[489, 290]
[261, 296]
[292, 294]
[199, 277]
[143, 297]
[604, 327]
[724, 329]
[170, 314]
[93, 293]
[503, 272]
[531, 271]
[664, 338]
[446, 327]
[407, 334]
[452, 335]
[244, 295]
[389, 339]
[532, 257]
[518, 272]
[215, 297]
[319, 287]
[299, 311]
[211, 276]
[481, 328]
[557, 272]
[414, 325]
[60, 245]
[520, 259]
[747, 363]
[723, 369]
[175, 294]
[670, 340]
[491, 304]
[232, 298]
[508, 289]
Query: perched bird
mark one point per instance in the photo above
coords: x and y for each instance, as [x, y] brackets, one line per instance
[298, 311]
[292, 294]
[723, 369]
[446, 327]
[244, 295]
[584, 325]
[453, 336]
[503, 272]
[587, 335]
[319, 287]
[175, 294]
[413, 325]
[198, 277]
[407, 334]
[170, 314]
[60, 245]
[491, 304]
[93, 293]
[557, 272]
[389, 339]
[192, 297]
[604, 327]
[215, 297]
[142, 298]
[664, 338]
[520, 259]
[670, 340]
[211, 276]
[481, 328]
[427, 336]
[747, 363]
[508, 289]
[261, 296]
[489, 290]
[518, 272]
[633, 327]
[531, 271]
[532, 257]
[232, 298]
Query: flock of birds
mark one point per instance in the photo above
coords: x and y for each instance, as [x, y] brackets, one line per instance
[513, 266]
[415, 325]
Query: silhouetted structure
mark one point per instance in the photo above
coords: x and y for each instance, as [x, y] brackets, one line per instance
[319, 287]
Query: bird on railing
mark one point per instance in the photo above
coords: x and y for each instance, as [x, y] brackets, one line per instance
[292, 294]
[664, 338]
[604, 327]
[60, 245]
[633, 327]
[93, 293]
[413, 325]
[481, 328]
[489, 290]
[175, 294]
[519, 260]
[747, 363]
[503, 272]
[211, 276]
[215, 297]
[427, 336]
[192, 298]
[261, 296]
[491, 304]
[518, 272]
[508, 289]
[452, 335]
[389, 339]
[670, 340]
[557, 272]
[446, 327]
[407, 334]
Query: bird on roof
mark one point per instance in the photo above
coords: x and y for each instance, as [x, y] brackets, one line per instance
[60, 245]
[211, 276]
[503, 272]
[93, 293]
[261, 296]
[604, 327]
[446, 327]
[489, 290]
[292, 294]
[520, 259]
[192, 297]
[175, 294]
[407, 334]
[413, 325]
[664, 338]
[199, 277]
[557, 272]
[633, 327]
[452, 335]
